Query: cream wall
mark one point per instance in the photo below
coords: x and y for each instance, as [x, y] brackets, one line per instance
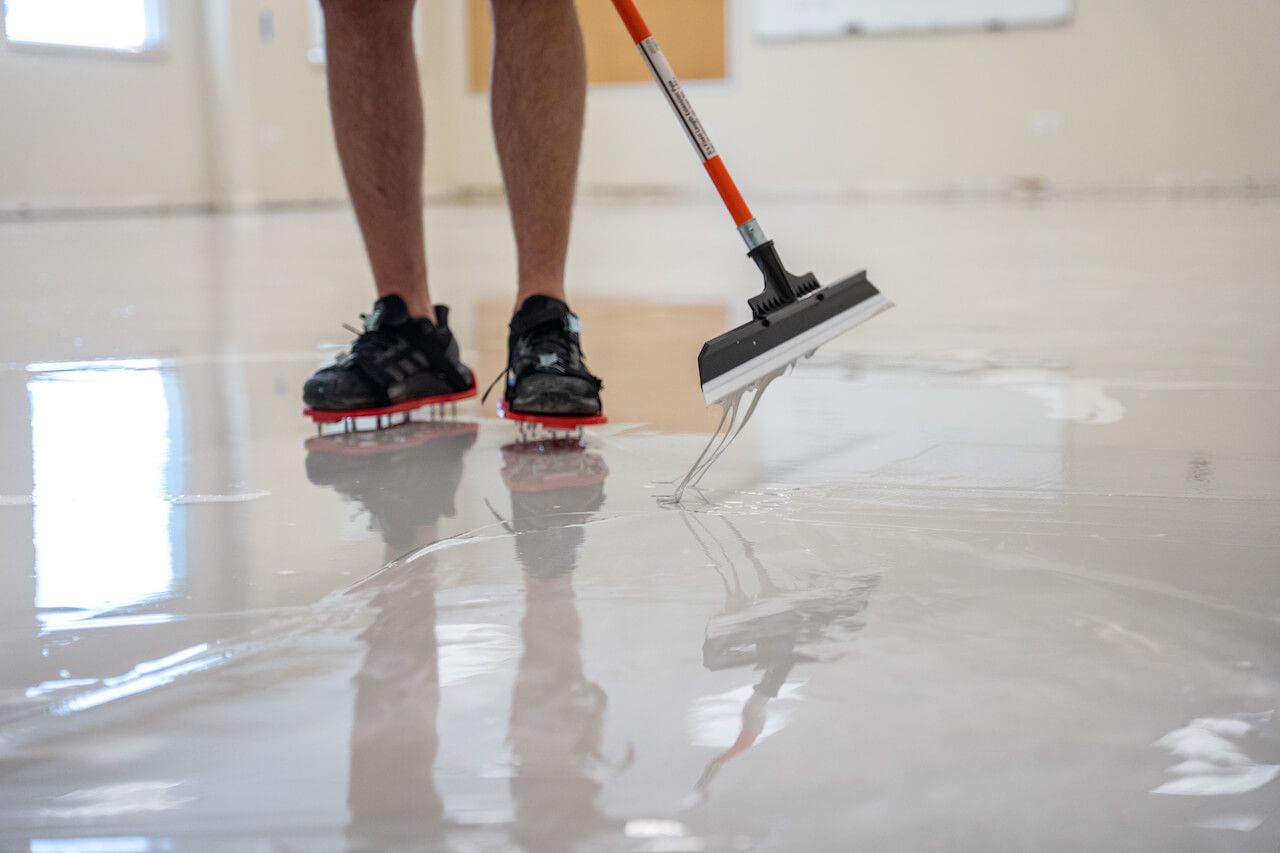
[219, 117]
[266, 107]
[1133, 93]
[84, 129]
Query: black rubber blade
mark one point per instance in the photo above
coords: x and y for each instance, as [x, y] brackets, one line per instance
[741, 356]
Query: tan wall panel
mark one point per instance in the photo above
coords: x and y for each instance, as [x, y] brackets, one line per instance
[691, 32]
[615, 333]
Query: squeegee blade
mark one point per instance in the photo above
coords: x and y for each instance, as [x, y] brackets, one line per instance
[740, 357]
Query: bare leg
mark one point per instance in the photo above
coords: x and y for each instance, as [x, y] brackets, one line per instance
[539, 94]
[377, 122]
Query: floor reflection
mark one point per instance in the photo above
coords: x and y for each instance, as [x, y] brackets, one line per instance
[768, 627]
[391, 792]
[97, 541]
[407, 479]
[99, 480]
[557, 712]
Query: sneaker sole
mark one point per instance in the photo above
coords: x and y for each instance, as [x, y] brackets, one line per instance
[333, 416]
[551, 421]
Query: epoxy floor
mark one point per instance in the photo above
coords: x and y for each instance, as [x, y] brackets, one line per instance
[1000, 570]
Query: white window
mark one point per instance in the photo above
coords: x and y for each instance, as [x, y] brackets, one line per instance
[798, 19]
[130, 26]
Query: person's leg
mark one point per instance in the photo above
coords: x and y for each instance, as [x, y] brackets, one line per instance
[539, 94]
[377, 123]
[406, 353]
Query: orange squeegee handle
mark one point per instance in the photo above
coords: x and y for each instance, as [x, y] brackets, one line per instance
[666, 78]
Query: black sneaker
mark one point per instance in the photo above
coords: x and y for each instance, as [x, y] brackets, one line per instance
[396, 361]
[545, 371]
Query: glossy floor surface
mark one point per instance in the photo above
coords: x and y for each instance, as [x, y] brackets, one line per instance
[999, 571]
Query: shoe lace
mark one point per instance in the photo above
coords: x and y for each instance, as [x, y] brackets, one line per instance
[484, 398]
[550, 340]
[368, 341]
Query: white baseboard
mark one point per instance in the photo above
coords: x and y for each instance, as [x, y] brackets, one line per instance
[1013, 189]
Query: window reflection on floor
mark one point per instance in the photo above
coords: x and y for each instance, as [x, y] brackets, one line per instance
[102, 445]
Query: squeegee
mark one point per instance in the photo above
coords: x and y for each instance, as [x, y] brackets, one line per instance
[794, 314]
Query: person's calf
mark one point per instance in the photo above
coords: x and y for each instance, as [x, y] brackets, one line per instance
[539, 88]
[367, 12]
[378, 128]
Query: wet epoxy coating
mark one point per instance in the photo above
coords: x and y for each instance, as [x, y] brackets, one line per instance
[997, 572]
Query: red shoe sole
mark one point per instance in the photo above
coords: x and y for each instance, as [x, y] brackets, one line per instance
[551, 421]
[333, 416]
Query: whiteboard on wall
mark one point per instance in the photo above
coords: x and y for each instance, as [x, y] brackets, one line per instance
[800, 19]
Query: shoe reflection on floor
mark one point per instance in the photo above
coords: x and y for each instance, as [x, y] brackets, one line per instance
[406, 479]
